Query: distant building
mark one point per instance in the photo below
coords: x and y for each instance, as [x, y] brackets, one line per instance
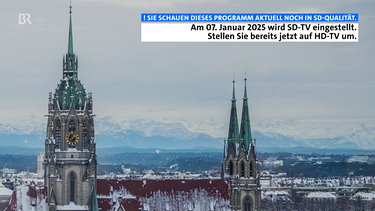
[322, 196]
[276, 196]
[272, 163]
[5, 193]
[7, 171]
[363, 201]
[40, 167]
[358, 159]
[240, 162]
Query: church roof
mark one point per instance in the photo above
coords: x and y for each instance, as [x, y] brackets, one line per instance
[70, 90]
[144, 188]
[233, 136]
[200, 195]
[245, 131]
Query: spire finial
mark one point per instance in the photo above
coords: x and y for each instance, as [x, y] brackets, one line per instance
[245, 92]
[233, 95]
[245, 74]
[70, 42]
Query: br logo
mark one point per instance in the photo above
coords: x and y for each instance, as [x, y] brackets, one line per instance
[23, 17]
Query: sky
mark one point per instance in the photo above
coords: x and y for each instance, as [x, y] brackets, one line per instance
[310, 82]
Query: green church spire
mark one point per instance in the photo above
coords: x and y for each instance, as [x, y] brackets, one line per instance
[70, 91]
[233, 125]
[70, 45]
[70, 59]
[94, 200]
[245, 132]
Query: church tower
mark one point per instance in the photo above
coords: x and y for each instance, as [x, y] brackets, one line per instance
[240, 163]
[70, 149]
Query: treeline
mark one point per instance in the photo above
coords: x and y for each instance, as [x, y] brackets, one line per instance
[19, 162]
[183, 162]
[160, 159]
[327, 170]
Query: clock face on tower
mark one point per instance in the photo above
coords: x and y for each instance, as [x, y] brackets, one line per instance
[72, 138]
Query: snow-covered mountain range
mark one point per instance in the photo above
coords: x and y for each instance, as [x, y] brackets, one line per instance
[160, 133]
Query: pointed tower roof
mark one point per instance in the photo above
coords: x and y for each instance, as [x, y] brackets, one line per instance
[94, 206]
[70, 60]
[70, 41]
[233, 136]
[70, 91]
[245, 132]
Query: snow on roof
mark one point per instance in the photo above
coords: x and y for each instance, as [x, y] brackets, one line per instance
[265, 183]
[276, 192]
[134, 194]
[140, 188]
[321, 195]
[364, 196]
[5, 191]
[72, 206]
[28, 197]
[203, 192]
[276, 195]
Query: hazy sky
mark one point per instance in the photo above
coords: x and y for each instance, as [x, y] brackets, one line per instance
[319, 82]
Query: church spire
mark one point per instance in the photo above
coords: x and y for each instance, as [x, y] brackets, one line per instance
[94, 200]
[70, 68]
[245, 132]
[70, 42]
[233, 125]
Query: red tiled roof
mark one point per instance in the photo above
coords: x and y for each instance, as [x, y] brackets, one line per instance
[146, 188]
[105, 204]
[130, 204]
[13, 202]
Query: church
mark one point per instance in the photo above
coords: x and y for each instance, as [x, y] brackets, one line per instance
[70, 150]
[71, 166]
[240, 163]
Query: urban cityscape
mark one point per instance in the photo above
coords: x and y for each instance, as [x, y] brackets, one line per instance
[181, 126]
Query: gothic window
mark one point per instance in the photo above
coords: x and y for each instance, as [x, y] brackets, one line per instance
[58, 134]
[242, 169]
[92, 131]
[72, 181]
[230, 167]
[72, 127]
[85, 138]
[247, 203]
[86, 175]
[251, 169]
[58, 176]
